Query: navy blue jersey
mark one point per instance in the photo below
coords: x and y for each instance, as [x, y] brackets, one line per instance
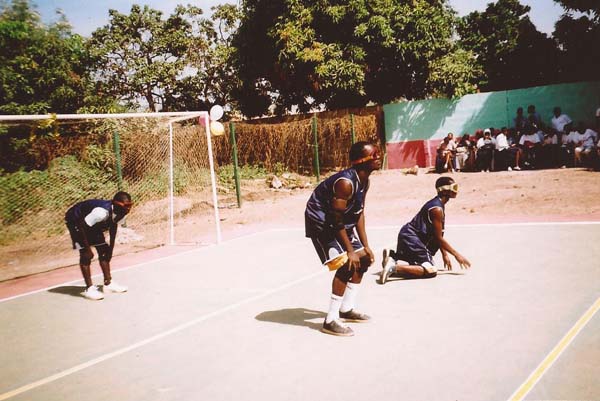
[422, 227]
[319, 214]
[82, 209]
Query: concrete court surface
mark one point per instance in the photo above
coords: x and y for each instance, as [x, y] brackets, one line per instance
[240, 321]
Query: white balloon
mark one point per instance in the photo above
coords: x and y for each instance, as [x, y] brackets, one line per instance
[216, 128]
[216, 112]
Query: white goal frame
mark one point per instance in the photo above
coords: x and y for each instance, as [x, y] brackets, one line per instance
[172, 118]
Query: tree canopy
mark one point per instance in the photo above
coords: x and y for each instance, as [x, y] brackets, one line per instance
[42, 68]
[338, 53]
[172, 63]
[281, 56]
[511, 51]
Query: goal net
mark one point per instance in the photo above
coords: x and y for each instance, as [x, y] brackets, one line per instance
[164, 160]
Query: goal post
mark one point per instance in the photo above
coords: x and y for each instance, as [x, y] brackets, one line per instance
[150, 143]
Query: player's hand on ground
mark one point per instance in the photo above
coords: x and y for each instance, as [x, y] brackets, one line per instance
[464, 262]
[370, 254]
[447, 262]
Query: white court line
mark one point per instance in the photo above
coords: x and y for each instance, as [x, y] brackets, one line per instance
[297, 229]
[549, 360]
[152, 339]
[99, 274]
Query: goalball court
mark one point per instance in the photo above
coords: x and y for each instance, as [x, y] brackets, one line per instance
[241, 320]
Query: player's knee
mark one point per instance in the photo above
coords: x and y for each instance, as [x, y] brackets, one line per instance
[104, 254]
[344, 273]
[85, 260]
[365, 262]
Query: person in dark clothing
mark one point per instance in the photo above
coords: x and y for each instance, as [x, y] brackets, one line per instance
[420, 239]
[87, 222]
[335, 222]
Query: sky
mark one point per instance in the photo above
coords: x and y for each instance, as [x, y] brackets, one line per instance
[87, 15]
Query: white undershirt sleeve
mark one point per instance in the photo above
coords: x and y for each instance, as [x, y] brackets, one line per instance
[97, 215]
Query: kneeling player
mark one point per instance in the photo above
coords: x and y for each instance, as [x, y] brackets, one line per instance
[420, 239]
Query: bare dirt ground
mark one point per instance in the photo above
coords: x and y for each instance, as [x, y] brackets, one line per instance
[394, 198]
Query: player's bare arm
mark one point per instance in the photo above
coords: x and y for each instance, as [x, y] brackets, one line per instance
[342, 192]
[362, 235]
[436, 215]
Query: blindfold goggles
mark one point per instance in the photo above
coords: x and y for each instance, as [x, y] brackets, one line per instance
[450, 187]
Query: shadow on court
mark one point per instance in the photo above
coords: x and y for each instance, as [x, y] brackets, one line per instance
[295, 317]
[72, 290]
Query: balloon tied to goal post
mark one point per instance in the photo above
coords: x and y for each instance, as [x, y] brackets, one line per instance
[216, 127]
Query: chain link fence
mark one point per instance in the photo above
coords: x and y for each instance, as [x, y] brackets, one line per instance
[97, 159]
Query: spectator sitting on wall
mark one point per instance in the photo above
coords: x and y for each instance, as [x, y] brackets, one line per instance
[549, 150]
[585, 152]
[505, 156]
[529, 144]
[485, 151]
[465, 154]
[569, 142]
[444, 160]
[560, 121]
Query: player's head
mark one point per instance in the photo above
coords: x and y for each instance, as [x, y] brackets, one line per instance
[365, 156]
[122, 203]
[557, 111]
[446, 186]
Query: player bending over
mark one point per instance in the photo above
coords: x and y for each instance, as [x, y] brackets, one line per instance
[87, 222]
[420, 239]
[335, 222]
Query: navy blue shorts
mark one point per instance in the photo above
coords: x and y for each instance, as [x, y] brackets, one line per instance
[95, 237]
[328, 247]
[413, 251]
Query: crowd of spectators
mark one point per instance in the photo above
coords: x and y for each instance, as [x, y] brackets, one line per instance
[528, 144]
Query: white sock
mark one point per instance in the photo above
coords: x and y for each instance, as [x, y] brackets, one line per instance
[350, 296]
[334, 308]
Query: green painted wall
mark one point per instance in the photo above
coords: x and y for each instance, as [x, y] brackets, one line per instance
[433, 119]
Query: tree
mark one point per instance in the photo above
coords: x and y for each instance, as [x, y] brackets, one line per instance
[512, 52]
[170, 64]
[42, 68]
[303, 54]
[578, 39]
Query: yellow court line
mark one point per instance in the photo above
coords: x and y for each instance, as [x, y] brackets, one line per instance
[537, 374]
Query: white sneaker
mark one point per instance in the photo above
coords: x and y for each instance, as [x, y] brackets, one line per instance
[509, 168]
[388, 264]
[93, 293]
[518, 168]
[114, 287]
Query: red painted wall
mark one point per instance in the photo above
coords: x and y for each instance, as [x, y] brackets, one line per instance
[412, 153]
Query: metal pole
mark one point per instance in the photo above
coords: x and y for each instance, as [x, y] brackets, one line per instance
[352, 129]
[171, 204]
[236, 175]
[117, 150]
[212, 177]
[316, 146]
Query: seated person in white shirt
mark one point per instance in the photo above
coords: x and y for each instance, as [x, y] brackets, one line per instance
[506, 156]
[485, 151]
[548, 152]
[530, 143]
[587, 147]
